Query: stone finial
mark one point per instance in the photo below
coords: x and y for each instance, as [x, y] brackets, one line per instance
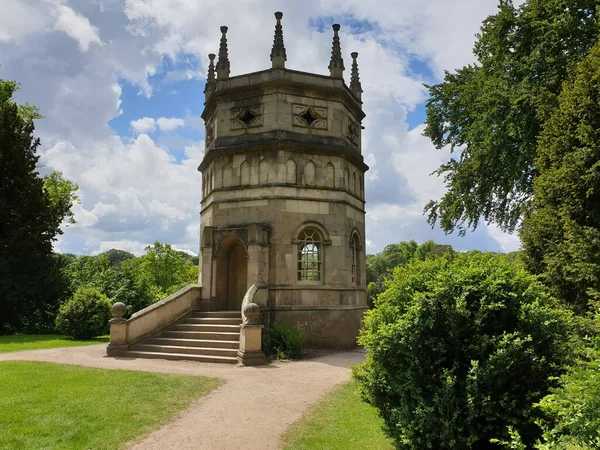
[278, 56]
[355, 86]
[252, 312]
[210, 77]
[118, 310]
[223, 62]
[336, 65]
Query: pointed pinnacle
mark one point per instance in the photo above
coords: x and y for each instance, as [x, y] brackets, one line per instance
[210, 76]
[278, 56]
[223, 62]
[336, 65]
[355, 86]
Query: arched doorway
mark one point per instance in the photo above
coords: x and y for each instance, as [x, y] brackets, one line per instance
[232, 273]
[237, 267]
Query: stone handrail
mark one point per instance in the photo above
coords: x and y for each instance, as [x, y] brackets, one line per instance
[250, 352]
[250, 313]
[126, 332]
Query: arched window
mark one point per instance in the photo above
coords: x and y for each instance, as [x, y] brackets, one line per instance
[290, 174]
[245, 173]
[329, 175]
[263, 171]
[226, 175]
[355, 249]
[310, 172]
[310, 255]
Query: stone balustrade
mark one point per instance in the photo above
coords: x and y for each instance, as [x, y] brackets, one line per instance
[127, 332]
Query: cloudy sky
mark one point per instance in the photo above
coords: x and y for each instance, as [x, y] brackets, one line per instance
[120, 85]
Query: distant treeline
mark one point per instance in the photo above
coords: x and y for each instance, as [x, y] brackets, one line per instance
[135, 281]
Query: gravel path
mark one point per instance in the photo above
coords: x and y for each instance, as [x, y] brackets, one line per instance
[251, 411]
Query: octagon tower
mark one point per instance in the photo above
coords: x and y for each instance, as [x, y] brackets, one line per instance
[283, 194]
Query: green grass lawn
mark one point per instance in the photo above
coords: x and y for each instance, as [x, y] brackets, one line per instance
[18, 342]
[340, 421]
[56, 406]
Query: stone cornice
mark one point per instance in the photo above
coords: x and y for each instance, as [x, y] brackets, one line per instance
[283, 140]
[285, 81]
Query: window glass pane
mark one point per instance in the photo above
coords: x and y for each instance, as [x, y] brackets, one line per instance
[309, 255]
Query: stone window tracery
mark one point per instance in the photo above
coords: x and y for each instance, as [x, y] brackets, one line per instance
[310, 255]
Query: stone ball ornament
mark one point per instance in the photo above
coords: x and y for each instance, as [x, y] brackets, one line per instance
[119, 309]
[252, 311]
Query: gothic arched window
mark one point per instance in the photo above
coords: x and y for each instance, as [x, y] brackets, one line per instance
[310, 255]
[355, 248]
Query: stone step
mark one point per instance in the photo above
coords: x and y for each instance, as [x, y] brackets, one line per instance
[205, 351]
[216, 336]
[207, 328]
[194, 342]
[217, 314]
[212, 320]
[182, 356]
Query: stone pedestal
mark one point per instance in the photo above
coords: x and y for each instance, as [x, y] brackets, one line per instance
[118, 337]
[250, 353]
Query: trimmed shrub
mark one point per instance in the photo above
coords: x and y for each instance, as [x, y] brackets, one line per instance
[286, 341]
[84, 315]
[459, 348]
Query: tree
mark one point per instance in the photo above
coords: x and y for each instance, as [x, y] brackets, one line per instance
[458, 348]
[491, 113]
[561, 233]
[380, 266]
[61, 193]
[30, 280]
[116, 256]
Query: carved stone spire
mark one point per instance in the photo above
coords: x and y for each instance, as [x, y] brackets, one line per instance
[355, 86]
[336, 65]
[210, 77]
[223, 62]
[278, 56]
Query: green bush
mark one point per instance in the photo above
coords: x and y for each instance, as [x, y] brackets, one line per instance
[459, 348]
[286, 341]
[84, 315]
[573, 409]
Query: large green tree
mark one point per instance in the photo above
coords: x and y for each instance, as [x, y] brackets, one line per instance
[31, 283]
[561, 233]
[490, 113]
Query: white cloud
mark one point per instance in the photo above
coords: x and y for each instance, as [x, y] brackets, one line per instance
[149, 124]
[144, 125]
[508, 242]
[135, 191]
[169, 124]
[76, 26]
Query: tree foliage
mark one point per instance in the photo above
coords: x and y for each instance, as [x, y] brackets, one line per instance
[460, 347]
[85, 315]
[30, 281]
[491, 113]
[137, 282]
[380, 266]
[561, 234]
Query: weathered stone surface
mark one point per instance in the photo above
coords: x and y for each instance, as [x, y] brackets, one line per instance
[284, 155]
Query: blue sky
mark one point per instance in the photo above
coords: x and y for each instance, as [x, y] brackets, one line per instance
[121, 85]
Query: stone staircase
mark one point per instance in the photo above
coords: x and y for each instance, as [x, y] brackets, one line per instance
[201, 336]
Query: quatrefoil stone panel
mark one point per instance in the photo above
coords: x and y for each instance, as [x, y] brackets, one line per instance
[313, 117]
[246, 117]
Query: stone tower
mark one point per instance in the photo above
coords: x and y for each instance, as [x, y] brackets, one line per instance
[283, 193]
